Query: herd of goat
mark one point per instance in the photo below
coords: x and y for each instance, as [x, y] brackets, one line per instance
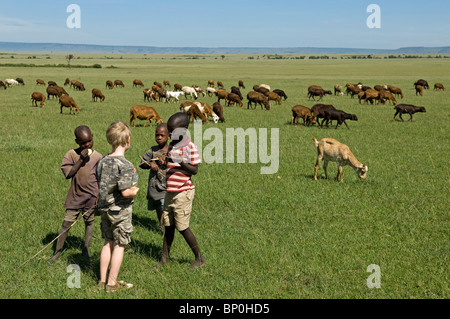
[259, 95]
[328, 149]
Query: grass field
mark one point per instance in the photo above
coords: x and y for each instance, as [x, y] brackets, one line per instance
[264, 236]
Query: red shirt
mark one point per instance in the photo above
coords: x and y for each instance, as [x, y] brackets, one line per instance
[178, 179]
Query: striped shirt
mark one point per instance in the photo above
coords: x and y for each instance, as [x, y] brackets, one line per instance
[178, 179]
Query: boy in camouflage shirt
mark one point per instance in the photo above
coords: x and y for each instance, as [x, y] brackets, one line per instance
[116, 193]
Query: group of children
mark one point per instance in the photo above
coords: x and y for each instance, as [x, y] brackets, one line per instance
[103, 185]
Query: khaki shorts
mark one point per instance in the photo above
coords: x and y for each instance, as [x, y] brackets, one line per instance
[72, 214]
[117, 226]
[177, 209]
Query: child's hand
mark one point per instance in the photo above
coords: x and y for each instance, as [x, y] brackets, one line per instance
[154, 166]
[84, 154]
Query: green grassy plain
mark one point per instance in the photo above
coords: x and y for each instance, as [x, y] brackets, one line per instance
[264, 236]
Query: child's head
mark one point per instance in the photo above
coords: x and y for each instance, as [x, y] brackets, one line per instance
[118, 134]
[161, 134]
[84, 137]
[178, 125]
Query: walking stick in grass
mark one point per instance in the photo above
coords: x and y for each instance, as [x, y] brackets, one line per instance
[90, 209]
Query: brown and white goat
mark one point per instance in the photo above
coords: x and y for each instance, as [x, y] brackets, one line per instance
[329, 149]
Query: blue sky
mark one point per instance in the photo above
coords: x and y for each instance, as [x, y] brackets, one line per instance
[243, 23]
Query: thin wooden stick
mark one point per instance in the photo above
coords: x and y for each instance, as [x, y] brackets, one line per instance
[54, 239]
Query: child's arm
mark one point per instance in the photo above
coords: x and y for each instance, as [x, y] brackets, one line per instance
[83, 156]
[191, 169]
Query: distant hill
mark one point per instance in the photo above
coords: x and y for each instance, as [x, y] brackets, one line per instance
[91, 48]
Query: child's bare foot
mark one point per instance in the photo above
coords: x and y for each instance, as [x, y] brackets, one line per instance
[162, 262]
[198, 263]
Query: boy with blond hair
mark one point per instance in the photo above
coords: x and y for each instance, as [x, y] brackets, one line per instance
[116, 196]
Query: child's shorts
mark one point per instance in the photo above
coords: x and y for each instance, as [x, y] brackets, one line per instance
[177, 209]
[117, 226]
[155, 204]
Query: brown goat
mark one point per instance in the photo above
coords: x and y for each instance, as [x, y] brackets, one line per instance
[395, 90]
[257, 98]
[167, 83]
[37, 97]
[137, 83]
[272, 96]
[439, 86]
[142, 112]
[419, 90]
[302, 112]
[329, 149]
[40, 82]
[97, 94]
[194, 112]
[218, 109]
[233, 98]
[119, 83]
[67, 101]
[109, 84]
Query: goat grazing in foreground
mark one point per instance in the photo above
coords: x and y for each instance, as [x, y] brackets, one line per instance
[329, 149]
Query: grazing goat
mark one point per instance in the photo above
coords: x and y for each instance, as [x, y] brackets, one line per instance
[142, 112]
[174, 95]
[312, 93]
[220, 85]
[189, 91]
[167, 83]
[218, 109]
[241, 84]
[37, 97]
[257, 98]
[272, 96]
[423, 83]
[211, 83]
[52, 83]
[2, 85]
[54, 91]
[177, 87]
[109, 84]
[281, 94]
[194, 111]
[319, 109]
[385, 95]
[236, 90]
[119, 83]
[407, 108]
[338, 90]
[339, 116]
[67, 101]
[40, 82]
[329, 149]
[302, 112]
[210, 91]
[260, 89]
[137, 83]
[222, 94]
[439, 86]
[20, 81]
[419, 90]
[11, 82]
[395, 90]
[369, 95]
[67, 82]
[233, 98]
[150, 95]
[97, 94]
[77, 85]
